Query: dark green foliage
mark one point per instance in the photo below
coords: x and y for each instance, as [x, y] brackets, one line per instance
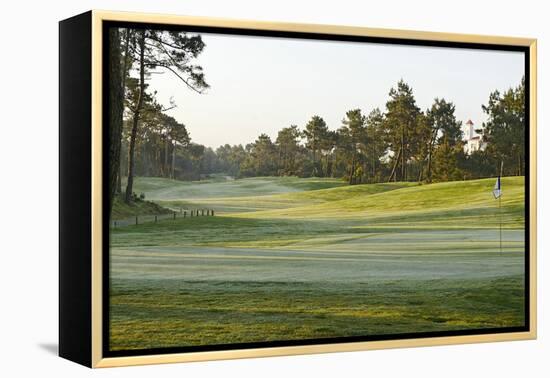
[261, 159]
[504, 132]
[353, 144]
[401, 122]
[377, 146]
[479, 164]
[315, 132]
[288, 159]
[446, 166]
[139, 206]
[445, 146]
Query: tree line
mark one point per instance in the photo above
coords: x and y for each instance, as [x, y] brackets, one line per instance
[399, 143]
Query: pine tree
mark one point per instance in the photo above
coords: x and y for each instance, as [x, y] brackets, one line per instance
[400, 123]
[315, 132]
[173, 51]
[446, 133]
[504, 131]
[355, 137]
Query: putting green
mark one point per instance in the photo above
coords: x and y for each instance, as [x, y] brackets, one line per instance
[283, 261]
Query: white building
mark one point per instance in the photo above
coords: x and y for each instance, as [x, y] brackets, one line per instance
[472, 138]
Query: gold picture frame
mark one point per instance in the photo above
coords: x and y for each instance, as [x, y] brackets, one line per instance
[93, 263]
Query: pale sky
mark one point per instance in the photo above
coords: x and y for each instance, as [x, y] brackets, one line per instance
[262, 84]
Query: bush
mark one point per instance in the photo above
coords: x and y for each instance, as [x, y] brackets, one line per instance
[136, 198]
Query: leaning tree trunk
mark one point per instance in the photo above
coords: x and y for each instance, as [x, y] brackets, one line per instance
[135, 120]
[119, 180]
[394, 169]
[403, 171]
[373, 163]
[116, 110]
[519, 163]
[334, 163]
[314, 163]
[165, 168]
[429, 169]
[125, 69]
[352, 170]
[173, 170]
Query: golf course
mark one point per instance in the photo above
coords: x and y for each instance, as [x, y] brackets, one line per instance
[287, 258]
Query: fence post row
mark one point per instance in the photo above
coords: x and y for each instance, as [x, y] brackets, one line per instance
[196, 213]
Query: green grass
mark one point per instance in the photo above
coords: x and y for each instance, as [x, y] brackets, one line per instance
[288, 258]
[451, 197]
[166, 189]
[229, 204]
[214, 312]
[350, 210]
[122, 210]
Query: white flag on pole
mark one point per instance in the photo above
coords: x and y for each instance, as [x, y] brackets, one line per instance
[497, 192]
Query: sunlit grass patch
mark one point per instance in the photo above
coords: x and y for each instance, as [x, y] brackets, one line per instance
[206, 313]
[280, 263]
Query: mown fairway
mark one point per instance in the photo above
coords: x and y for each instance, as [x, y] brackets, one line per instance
[288, 258]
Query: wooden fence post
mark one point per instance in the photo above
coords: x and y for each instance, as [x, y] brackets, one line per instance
[184, 214]
[212, 212]
[174, 215]
[136, 219]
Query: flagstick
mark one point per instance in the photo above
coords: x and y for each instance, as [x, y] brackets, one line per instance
[499, 204]
[500, 216]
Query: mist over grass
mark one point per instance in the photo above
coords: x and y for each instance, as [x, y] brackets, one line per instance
[290, 258]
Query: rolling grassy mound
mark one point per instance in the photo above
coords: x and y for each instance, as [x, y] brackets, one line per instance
[156, 188]
[466, 203]
[350, 214]
[228, 204]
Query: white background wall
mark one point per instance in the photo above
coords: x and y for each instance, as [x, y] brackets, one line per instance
[28, 207]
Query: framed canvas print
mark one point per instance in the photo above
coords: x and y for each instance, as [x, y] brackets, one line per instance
[235, 189]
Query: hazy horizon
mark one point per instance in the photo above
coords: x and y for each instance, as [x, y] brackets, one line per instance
[260, 84]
